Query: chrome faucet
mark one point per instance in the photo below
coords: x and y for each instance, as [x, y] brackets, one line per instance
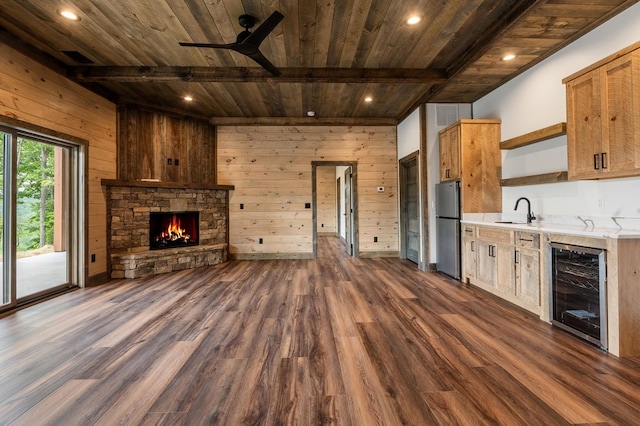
[530, 216]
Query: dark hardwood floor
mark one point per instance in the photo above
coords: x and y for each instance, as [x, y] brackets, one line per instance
[328, 341]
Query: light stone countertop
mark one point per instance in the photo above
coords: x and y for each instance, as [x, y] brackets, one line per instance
[597, 227]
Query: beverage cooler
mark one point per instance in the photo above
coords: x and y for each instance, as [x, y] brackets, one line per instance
[578, 295]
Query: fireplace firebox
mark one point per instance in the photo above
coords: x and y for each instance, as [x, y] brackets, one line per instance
[173, 229]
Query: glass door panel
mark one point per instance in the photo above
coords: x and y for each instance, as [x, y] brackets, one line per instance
[5, 290]
[42, 261]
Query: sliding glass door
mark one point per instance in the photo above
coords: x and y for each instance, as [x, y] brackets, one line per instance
[5, 287]
[40, 216]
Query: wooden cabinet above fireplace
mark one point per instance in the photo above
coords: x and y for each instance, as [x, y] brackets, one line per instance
[153, 145]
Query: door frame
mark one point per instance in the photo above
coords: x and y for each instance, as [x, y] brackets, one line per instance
[402, 181]
[78, 194]
[354, 198]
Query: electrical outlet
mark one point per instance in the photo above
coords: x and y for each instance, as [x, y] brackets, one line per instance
[169, 161]
[375, 239]
[322, 226]
[260, 241]
[176, 162]
[307, 205]
[241, 206]
[93, 258]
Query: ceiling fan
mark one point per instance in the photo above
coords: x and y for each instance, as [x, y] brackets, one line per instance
[247, 42]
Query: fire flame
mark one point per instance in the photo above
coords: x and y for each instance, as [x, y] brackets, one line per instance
[175, 231]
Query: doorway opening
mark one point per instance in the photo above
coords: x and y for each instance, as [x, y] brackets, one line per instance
[410, 209]
[42, 214]
[334, 203]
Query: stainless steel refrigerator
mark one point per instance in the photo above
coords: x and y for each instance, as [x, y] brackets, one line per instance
[448, 228]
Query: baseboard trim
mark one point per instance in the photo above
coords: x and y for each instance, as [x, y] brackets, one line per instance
[95, 280]
[372, 254]
[270, 256]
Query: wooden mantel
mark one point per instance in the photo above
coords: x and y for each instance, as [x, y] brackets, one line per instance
[163, 184]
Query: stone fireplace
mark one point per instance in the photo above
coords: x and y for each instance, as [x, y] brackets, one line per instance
[139, 212]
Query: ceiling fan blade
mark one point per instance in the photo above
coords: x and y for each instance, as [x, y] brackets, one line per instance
[264, 29]
[264, 62]
[211, 45]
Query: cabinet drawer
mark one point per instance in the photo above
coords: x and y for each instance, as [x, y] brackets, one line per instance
[468, 231]
[495, 235]
[526, 239]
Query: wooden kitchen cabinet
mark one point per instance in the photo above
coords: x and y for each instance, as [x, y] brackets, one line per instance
[603, 119]
[487, 263]
[450, 154]
[470, 152]
[503, 262]
[469, 251]
[527, 276]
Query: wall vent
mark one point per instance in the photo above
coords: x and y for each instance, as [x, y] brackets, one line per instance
[446, 114]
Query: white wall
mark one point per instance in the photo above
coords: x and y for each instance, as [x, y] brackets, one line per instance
[409, 134]
[536, 99]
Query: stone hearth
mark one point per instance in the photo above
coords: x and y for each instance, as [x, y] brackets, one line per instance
[129, 207]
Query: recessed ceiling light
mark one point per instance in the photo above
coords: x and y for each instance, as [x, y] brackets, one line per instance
[69, 14]
[188, 98]
[414, 20]
[368, 99]
[508, 57]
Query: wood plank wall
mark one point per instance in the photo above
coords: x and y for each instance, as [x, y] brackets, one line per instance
[154, 145]
[270, 167]
[35, 94]
[326, 197]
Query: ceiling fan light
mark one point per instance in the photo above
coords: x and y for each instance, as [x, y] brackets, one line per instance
[413, 20]
[368, 99]
[508, 57]
[188, 98]
[69, 14]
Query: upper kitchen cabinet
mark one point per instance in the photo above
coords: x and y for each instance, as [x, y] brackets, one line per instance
[450, 154]
[603, 118]
[470, 152]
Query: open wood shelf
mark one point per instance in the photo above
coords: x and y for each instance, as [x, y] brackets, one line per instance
[535, 136]
[535, 179]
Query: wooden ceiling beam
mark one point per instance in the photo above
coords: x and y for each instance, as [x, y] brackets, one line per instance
[130, 74]
[303, 121]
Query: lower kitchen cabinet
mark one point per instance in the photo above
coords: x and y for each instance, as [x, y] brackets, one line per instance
[469, 251]
[504, 262]
[527, 276]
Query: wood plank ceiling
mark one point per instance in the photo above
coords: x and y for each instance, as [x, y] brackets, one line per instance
[331, 53]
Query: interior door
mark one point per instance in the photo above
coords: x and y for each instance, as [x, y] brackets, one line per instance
[348, 210]
[411, 221]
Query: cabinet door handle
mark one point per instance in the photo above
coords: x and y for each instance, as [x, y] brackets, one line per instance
[516, 257]
[473, 246]
[603, 161]
[446, 173]
[596, 164]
